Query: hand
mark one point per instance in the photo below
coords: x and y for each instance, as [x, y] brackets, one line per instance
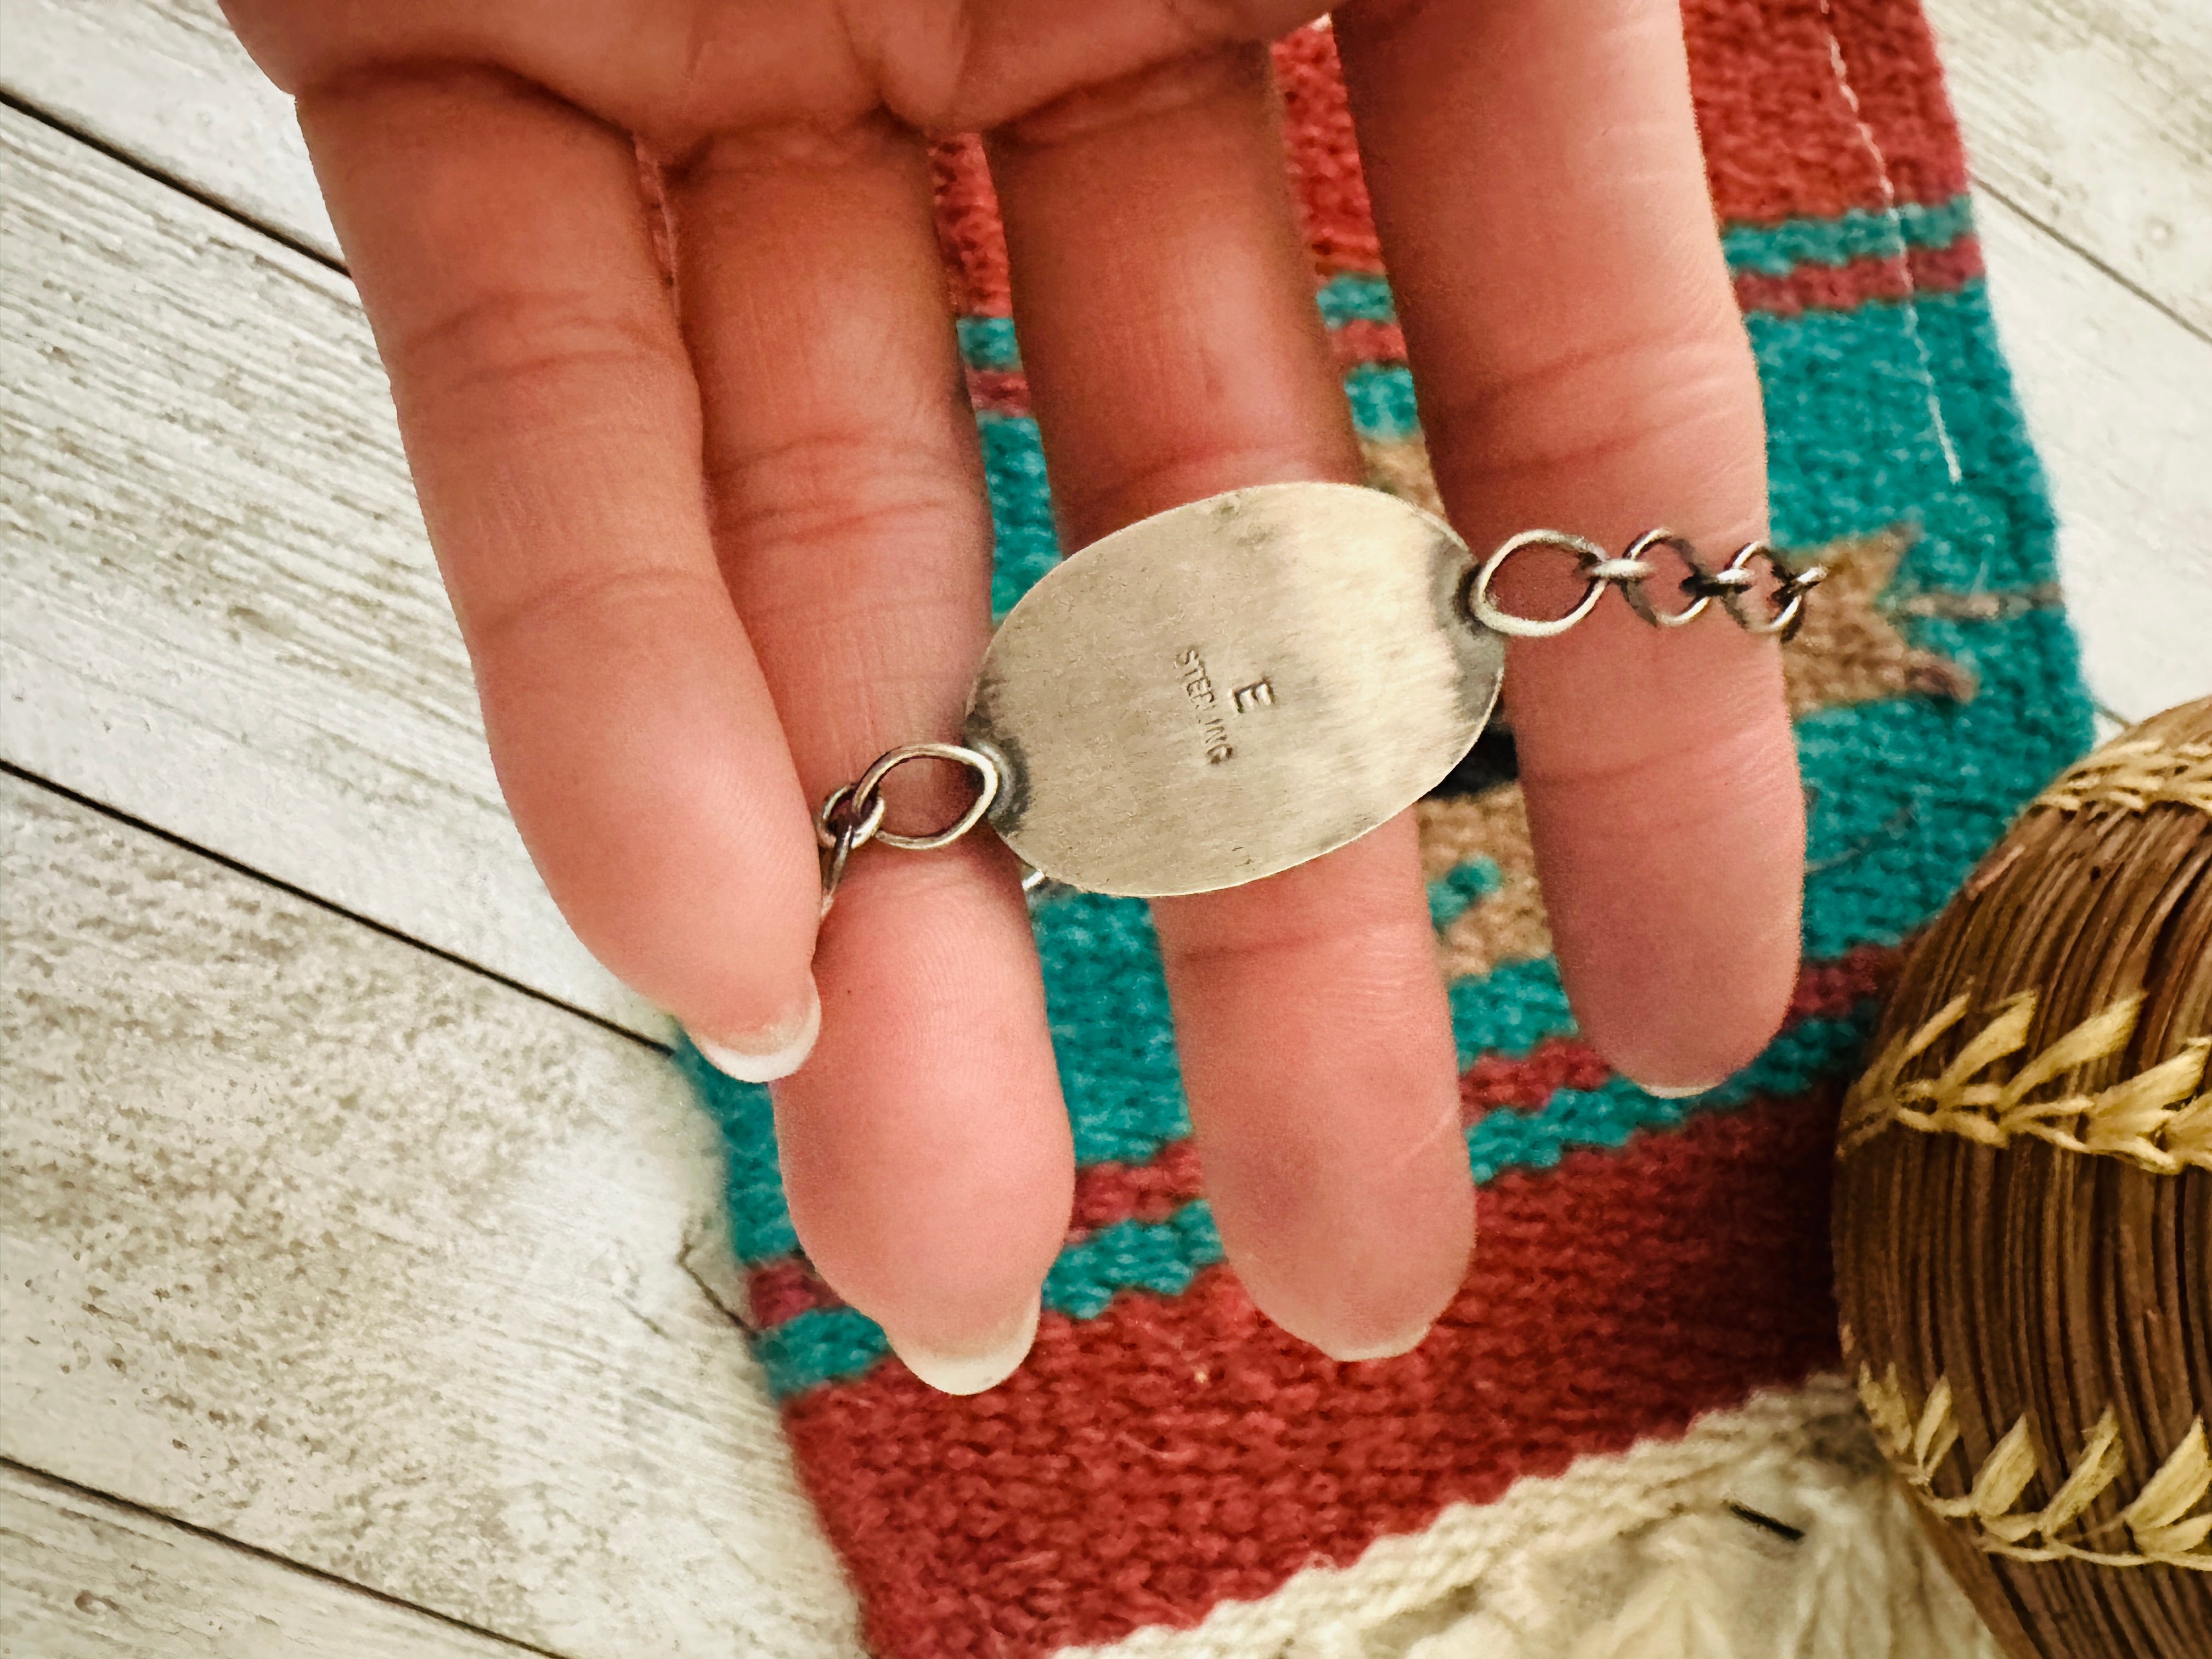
[712, 558]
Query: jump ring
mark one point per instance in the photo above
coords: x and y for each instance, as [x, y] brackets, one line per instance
[833, 867]
[1695, 583]
[857, 834]
[1791, 616]
[1790, 589]
[1475, 595]
[987, 778]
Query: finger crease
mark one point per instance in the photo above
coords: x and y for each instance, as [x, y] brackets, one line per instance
[596, 593]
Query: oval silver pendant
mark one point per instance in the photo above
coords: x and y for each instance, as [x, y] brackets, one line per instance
[1231, 687]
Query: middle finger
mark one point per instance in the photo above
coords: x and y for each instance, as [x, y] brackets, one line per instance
[1164, 304]
[924, 1146]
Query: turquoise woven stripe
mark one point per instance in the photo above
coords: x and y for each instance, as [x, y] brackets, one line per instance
[824, 1344]
[819, 1346]
[1846, 467]
[1106, 1000]
[1381, 398]
[1028, 542]
[987, 343]
[1768, 250]
[1616, 1109]
[1905, 795]
[1162, 1257]
[1509, 1010]
[1451, 893]
[1777, 250]
[1352, 298]
[752, 1184]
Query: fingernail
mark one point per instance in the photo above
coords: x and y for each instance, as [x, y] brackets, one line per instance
[1668, 1091]
[972, 1370]
[765, 1055]
[1390, 1348]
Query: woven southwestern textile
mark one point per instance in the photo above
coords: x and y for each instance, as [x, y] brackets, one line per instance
[1647, 1320]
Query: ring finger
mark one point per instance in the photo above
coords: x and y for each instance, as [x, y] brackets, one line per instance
[1165, 309]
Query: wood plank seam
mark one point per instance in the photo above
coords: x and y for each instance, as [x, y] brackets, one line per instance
[45, 1479]
[329, 1249]
[185, 187]
[1983, 187]
[209, 593]
[8, 769]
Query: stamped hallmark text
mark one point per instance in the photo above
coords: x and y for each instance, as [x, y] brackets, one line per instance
[1205, 703]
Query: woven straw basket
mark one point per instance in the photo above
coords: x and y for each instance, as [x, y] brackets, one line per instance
[2024, 1213]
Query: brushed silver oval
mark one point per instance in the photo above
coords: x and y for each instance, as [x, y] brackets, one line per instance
[1231, 687]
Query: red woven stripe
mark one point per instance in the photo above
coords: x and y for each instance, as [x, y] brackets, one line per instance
[968, 234]
[1892, 60]
[1360, 342]
[1828, 989]
[784, 1289]
[1782, 140]
[1001, 391]
[1171, 1454]
[1108, 1192]
[1332, 193]
[1527, 1082]
[1840, 287]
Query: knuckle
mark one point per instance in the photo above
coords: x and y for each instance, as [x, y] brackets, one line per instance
[530, 350]
[1632, 400]
[1220, 60]
[741, 155]
[845, 490]
[1154, 475]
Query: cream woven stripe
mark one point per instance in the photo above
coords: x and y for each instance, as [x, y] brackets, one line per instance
[2134, 777]
[1597, 1500]
[2157, 1518]
[2156, 1119]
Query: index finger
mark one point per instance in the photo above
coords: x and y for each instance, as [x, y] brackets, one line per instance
[1541, 197]
[552, 424]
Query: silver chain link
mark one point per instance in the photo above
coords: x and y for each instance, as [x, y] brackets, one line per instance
[852, 814]
[1733, 584]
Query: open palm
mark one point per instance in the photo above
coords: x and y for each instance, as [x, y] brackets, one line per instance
[715, 545]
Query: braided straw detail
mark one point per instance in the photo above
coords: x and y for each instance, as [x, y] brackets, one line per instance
[2150, 1119]
[2134, 776]
[2157, 1519]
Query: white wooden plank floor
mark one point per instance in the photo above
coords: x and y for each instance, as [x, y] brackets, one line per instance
[166, 1592]
[362, 1259]
[358, 1293]
[217, 571]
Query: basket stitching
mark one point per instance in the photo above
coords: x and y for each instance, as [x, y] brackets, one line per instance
[2135, 777]
[2153, 1119]
[2157, 1519]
